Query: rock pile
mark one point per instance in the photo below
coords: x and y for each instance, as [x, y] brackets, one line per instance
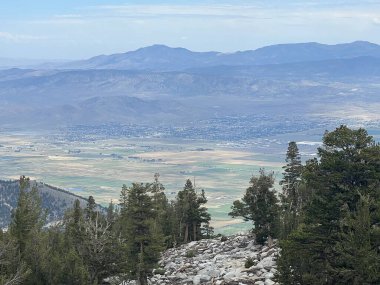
[219, 262]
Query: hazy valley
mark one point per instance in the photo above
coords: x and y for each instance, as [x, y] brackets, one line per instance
[177, 87]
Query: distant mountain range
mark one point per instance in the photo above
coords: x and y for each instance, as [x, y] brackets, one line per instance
[159, 84]
[163, 58]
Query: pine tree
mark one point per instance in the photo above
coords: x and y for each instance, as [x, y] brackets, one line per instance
[159, 200]
[347, 170]
[111, 212]
[144, 241]
[90, 210]
[164, 213]
[74, 266]
[123, 200]
[27, 217]
[259, 205]
[358, 259]
[191, 213]
[13, 271]
[73, 221]
[292, 199]
[49, 262]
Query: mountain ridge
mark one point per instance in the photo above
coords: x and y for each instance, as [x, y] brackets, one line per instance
[161, 57]
[164, 58]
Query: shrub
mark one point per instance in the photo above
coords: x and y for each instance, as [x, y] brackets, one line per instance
[160, 271]
[224, 238]
[249, 262]
[190, 253]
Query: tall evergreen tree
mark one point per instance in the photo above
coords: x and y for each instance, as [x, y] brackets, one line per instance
[73, 221]
[13, 271]
[191, 213]
[164, 213]
[358, 261]
[259, 205]
[159, 200]
[53, 261]
[292, 198]
[123, 200]
[27, 217]
[111, 214]
[144, 241]
[348, 168]
[90, 210]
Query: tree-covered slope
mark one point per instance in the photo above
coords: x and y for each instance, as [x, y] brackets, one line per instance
[54, 200]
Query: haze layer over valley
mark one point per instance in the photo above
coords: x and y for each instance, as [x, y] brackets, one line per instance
[172, 86]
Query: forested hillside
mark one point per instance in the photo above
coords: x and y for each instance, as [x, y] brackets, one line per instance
[54, 201]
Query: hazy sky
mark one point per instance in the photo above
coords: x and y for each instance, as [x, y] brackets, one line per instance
[71, 29]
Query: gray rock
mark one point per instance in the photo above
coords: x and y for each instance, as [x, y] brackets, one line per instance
[220, 263]
[197, 280]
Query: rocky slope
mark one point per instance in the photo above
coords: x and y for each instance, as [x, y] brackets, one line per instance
[218, 262]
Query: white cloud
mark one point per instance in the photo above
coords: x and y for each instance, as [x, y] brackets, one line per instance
[69, 19]
[16, 38]
[178, 10]
[258, 11]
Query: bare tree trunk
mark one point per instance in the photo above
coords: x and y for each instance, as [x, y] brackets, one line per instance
[143, 280]
[180, 229]
[93, 278]
[195, 231]
[270, 241]
[186, 237]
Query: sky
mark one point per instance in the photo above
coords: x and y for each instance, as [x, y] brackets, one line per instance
[77, 29]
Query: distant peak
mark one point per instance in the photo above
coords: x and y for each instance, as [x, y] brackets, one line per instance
[363, 43]
[161, 48]
[157, 46]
